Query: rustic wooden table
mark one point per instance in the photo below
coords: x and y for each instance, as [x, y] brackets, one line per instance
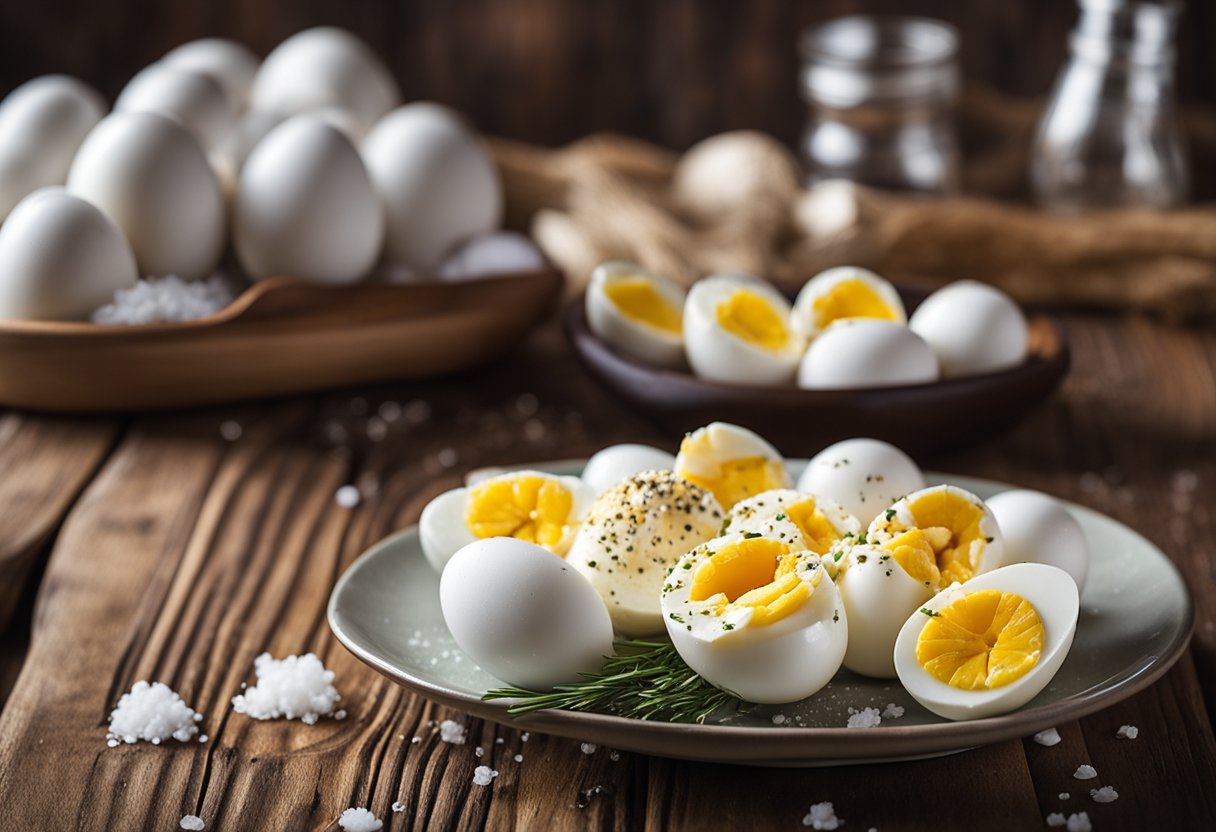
[154, 547]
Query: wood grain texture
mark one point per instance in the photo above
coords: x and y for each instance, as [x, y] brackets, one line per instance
[187, 555]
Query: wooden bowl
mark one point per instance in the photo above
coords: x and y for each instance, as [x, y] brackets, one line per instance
[280, 336]
[920, 418]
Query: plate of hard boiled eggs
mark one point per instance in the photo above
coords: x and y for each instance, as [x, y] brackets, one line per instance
[726, 603]
[849, 352]
[235, 226]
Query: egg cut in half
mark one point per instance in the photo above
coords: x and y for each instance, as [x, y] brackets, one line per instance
[845, 292]
[737, 330]
[632, 535]
[532, 506]
[990, 645]
[639, 313]
[794, 517]
[732, 462]
[757, 618]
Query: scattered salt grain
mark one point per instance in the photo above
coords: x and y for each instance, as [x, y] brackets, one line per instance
[398, 806]
[1127, 732]
[230, 430]
[451, 731]
[892, 711]
[865, 718]
[478, 751]
[483, 775]
[614, 755]
[1079, 823]
[499, 740]
[1056, 819]
[1049, 737]
[164, 300]
[588, 748]
[822, 816]
[203, 737]
[1085, 773]
[524, 737]
[1106, 794]
[347, 496]
[778, 719]
[360, 820]
[519, 758]
[297, 687]
[415, 740]
[191, 822]
[340, 714]
[151, 712]
[1065, 795]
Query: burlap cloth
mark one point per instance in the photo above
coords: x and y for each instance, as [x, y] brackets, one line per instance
[736, 203]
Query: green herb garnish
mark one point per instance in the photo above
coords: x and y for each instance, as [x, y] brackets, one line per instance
[750, 535]
[889, 513]
[929, 612]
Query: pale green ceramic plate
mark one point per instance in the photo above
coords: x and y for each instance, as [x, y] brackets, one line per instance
[1136, 619]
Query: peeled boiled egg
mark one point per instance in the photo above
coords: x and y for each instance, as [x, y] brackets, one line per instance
[632, 536]
[528, 505]
[495, 253]
[990, 645]
[610, 465]
[193, 99]
[305, 206]
[324, 67]
[794, 517]
[151, 176]
[865, 476]
[973, 328]
[522, 614]
[1038, 528]
[753, 616]
[42, 124]
[879, 594]
[60, 258]
[731, 461]
[437, 181]
[637, 312]
[866, 352]
[841, 293]
[737, 329]
[232, 65]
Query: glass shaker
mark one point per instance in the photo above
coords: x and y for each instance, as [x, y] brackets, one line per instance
[1110, 135]
[881, 91]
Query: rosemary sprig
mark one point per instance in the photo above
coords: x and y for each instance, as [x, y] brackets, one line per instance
[644, 680]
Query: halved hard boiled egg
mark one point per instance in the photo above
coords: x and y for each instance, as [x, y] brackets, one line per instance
[990, 645]
[802, 520]
[755, 617]
[610, 465]
[532, 506]
[731, 461]
[863, 475]
[737, 329]
[638, 312]
[845, 292]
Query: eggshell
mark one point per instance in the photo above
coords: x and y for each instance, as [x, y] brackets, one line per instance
[635, 338]
[42, 123]
[60, 258]
[863, 475]
[232, 65]
[495, 253]
[718, 354]
[437, 181]
[973, 328]
[523, 614]
[150, 175]
[305, 207]
[193, 99]
[1038, 529]
[866, 352]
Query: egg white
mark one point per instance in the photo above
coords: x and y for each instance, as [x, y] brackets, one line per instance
[804, 319]
[973, 328]
[865, 476]
[1038, 529]
[866, 352]
[719, 355]
[634, 338]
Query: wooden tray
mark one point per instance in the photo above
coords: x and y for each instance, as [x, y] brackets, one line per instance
[281, 336]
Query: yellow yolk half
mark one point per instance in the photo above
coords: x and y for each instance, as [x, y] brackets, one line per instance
[984, 640]
[853, 298]
[816, 530]
[738, 479]
[528, 507]
[754, 572]
[949, 525]
[639, 300]
[750, 317]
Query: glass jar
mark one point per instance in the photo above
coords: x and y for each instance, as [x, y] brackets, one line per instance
[881, 92]
[1110, 135]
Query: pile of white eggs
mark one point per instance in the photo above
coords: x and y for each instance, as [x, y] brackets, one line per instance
[848, 328]
[307, 163]
[765, 585]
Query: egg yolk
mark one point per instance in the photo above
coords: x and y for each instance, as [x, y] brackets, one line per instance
[754, 572]
[946, 538]
[984, 640]
[531, 508]
[818, 533]
[750, 317]
[852, 298]
[734, 479]
[639, 301]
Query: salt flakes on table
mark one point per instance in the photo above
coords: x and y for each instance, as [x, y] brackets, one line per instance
[297, 687]
[1106, 794]
[1085, 773]
[398, 806]
[822, 816]
[1048, 737]
[483, 775]
[588, 748]
[1127, 732]
[192, 823]
[165, 300]
[1079, 823]
[347, 496]
[865, 718]
[892, 711]
[451, 731]
[151, 712]
[359, 820]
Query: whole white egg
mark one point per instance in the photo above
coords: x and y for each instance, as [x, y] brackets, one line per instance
[610, 465]
[866, 352]
[151, 176]
[991, 645]
[231, 64]
[193, 99]
[878, 595]
[865, 476]
[523, 614]
[841, 293]
[437, 181]
[1038, 529]
[324, 67]
[973, 327]
[737, 330]
[42, 123]
[495, 253]
[638, 312]
[60, 258]
[305, 206]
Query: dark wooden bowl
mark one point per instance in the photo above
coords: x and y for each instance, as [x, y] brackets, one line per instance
[920, 418]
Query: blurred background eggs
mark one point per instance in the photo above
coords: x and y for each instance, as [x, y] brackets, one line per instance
[228, 63]
[193, 99]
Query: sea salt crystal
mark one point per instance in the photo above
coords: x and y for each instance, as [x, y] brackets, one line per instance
[1127, 732]
[1085, 773]
[164, 300]
[191, 822]
[1049, 737]
[1106, 794]
[1079, 823]
[588, 748]
[822, 816]
[347, 496]
[524, 737]
[415, 740]
[451, 731]
[865, 718]
[892, 711]
[1065, 795]
[151, 712]
[614, 755]
[519, 758]
[483, 775]
[340, 714]
[203, 737]
[297, 687]
[1056, 819]
[230, 430]
[359, 820]
[398, 806]
[478, 751]
[778, 719]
